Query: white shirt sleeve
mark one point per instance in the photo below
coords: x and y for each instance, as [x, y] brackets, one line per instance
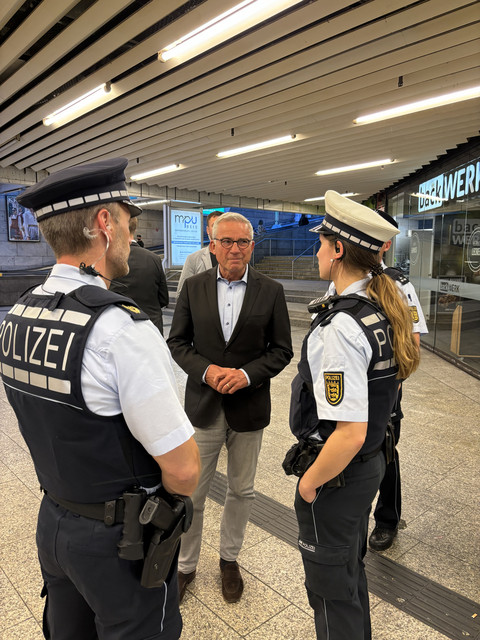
[127, 368]
[419, 326]
[340, 353]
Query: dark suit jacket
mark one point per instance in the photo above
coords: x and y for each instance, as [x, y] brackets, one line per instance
[260, 344]
[145, 283]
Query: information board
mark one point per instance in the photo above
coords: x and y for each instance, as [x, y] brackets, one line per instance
[186, 234]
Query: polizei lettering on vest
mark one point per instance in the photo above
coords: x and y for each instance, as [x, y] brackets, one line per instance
[381, 337]
[37, 347]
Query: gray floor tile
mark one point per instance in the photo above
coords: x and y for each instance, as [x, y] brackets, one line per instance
[18, 512]
[12, 610]
[259, 602]
[289, 624]
[280, 566]
[455, 574]
[27, 630]
[18, 559]
[199, 623]
[455, 535]
[389, 623]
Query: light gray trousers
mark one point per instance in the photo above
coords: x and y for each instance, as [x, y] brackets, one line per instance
[243, 450]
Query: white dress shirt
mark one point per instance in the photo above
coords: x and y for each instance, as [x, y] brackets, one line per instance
[127, 368]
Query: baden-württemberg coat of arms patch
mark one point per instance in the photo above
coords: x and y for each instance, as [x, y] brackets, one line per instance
[333, 387]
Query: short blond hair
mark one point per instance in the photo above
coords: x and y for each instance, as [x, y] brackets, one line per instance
[65, 231]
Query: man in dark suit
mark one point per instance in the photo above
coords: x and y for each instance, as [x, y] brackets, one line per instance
[230, 333]
[145, 282]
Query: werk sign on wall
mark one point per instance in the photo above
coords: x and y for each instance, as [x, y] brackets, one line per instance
[452, 185]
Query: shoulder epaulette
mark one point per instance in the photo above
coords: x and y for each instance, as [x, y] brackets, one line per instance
[396, 274]
[96, 297]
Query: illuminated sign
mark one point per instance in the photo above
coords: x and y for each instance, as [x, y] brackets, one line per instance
[452, 185]
[186, 234]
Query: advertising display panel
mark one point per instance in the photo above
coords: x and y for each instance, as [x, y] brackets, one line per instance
[186, 234]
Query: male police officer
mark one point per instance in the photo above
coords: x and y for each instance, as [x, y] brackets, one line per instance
[88, 376]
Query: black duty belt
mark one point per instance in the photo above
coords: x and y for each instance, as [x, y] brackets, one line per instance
[366, 456]
[110, 512]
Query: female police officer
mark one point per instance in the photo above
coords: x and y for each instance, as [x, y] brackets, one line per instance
[359, 345]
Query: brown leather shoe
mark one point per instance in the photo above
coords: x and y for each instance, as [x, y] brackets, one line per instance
[183, 580]
[232, 583]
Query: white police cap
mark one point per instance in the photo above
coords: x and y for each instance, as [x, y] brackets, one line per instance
[354, 223]
[78, 187]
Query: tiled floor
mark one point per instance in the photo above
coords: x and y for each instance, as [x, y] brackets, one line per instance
[440, 456]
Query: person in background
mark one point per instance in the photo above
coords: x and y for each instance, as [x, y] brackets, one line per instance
[231, 334]
[261, 228]
[145, 281]
[359, 345]
[388, 509]
[202, 259]
[96, 401]
[140, 242]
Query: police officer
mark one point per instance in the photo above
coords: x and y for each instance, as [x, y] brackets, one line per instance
[91, 383]
[359, 344]
[388, 509]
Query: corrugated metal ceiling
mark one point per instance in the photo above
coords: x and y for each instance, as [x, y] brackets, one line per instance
[310, 71]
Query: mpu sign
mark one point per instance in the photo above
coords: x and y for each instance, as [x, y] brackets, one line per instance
[187, 221]
[453, 185]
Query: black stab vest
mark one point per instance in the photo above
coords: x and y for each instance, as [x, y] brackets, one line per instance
[78, 455]
[381, 374]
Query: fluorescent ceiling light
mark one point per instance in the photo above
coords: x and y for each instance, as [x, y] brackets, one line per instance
[239, 18]
[155, 172]
[10, 143]
[427, 196]
[79, 106]
[142, 204]
[421, 105]
[346, 195]
[274, 142]
[354, 167]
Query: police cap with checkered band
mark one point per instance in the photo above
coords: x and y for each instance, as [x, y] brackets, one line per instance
[354, 223]
[77, 187]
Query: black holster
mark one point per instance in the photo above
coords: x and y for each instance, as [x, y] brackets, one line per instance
[170, 515]
[130, 546]
[302, 455]
[389, 444]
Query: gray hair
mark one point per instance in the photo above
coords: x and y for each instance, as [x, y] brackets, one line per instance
[233, 217]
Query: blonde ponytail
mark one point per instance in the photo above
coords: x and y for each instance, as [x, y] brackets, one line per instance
[385, 292]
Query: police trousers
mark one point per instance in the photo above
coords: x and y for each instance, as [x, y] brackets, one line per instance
[388, 510]
[92, 594]
[333, 542]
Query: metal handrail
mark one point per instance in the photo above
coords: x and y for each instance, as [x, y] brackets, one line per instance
[303, 252]
[256, 245]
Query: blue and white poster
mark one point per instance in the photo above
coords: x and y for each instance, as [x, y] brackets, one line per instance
[186, 234]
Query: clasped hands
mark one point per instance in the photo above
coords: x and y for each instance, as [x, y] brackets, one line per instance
[225, 380]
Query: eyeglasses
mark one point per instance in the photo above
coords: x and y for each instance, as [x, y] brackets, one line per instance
[227, 243]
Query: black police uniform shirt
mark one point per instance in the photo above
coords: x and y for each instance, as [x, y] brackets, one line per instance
[126, 366]
[340, 362]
